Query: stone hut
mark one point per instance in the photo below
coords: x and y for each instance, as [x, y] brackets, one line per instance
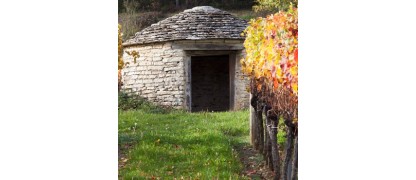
[189, 61]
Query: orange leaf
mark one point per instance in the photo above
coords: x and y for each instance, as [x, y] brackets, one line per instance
[275, 83]
[296, 55]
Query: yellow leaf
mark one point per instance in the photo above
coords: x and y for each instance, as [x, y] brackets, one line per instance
[279, 73]
[157, 141]
[294, 70]
[295, 87]
[257, 74]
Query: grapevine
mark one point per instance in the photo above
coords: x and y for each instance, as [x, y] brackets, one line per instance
[271, 63]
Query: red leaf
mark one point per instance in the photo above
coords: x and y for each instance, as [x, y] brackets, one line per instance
[296, 55]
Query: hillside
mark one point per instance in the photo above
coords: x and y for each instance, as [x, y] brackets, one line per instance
[136, 15]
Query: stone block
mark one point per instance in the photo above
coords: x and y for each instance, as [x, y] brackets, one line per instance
[157, 58]
[158, 68]
[157, 46]
[146, 81]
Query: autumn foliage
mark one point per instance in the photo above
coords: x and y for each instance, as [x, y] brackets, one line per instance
[120, 56]
[272, 54]
[271, 63]
[121, 63]
[272, 45]
[120, 49]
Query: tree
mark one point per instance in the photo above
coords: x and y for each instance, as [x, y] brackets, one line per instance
[274, 5]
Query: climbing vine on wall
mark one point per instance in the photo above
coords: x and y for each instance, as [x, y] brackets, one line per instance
[120, 56]
[121, 63]
[120, 49]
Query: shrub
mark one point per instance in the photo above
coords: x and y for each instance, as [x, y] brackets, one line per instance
[126, 102]
[135, 102]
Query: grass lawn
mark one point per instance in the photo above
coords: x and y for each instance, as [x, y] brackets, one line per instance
[180, 144]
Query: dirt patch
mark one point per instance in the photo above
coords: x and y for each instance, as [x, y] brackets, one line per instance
[254, 165]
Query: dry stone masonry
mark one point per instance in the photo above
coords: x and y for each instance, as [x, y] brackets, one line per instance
[203, 22]
[157, 75]
[163, 74]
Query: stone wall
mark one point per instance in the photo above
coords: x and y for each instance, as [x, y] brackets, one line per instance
[158, 74]
[242, 97]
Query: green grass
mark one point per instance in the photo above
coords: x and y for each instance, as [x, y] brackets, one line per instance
[179, 144]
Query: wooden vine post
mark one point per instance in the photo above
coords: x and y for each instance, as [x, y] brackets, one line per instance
[254, 123]
[268, 143]
[288, 150]
[272, 131]
[295, 160]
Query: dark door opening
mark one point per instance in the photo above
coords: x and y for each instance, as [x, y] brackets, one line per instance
[210, 83]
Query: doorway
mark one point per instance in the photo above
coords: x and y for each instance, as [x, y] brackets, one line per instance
[210, 83]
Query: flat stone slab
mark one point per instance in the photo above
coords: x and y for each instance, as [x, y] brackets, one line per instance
[201, 22]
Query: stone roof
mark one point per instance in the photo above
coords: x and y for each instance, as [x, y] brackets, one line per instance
[202, 22]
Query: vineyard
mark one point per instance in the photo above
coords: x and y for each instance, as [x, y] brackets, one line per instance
[271, 64]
